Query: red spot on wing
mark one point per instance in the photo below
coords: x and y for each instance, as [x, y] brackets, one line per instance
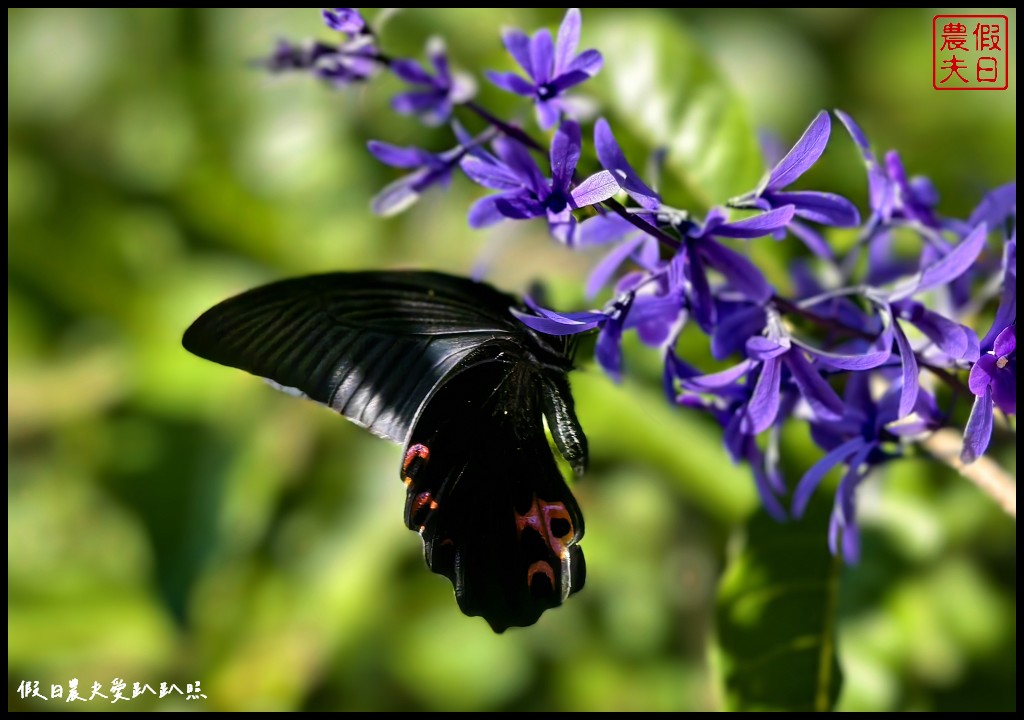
[416, 458]
[422, 505]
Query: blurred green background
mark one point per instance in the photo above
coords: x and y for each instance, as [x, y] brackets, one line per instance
[170, 520]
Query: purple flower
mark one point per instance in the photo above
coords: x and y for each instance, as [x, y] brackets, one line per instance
[428, 169]
[890, 193]
[552, 66]
[650, 303]
[435, 95]
[956, 342]
[353, 60]
[993, 380]
[524, 192]
[607, 351]
[614, 161]
[768, 355]
[631, 244]
[704, 251]
[350, 62]
[820, 207]
[290, 56]
[864, 437]
[344, 20]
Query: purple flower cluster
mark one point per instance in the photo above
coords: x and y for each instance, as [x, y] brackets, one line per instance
[857, 350]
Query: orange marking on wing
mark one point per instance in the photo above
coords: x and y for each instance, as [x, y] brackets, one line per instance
[540, 567]
[416, 457]
[540, 517]
[422, 505]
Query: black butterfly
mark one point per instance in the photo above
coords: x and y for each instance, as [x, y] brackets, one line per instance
[439, 363]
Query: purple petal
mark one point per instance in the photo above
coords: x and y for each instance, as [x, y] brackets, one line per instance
[764, 403]
[812, 478]
[588, 62]
[741, 273]
[761, 348]
[519, 206]
[649, 256]
[718, 380]
[882, 350]
[701, 299]
[908, 363]
[978, 432]
[804, 154]
[1004, 391]
[764, 489]
[520, 162]
[610, 264]
[568, 39]
[554, 323]
[484, 212]
[395, 156]
[462, 135]
[566, 80]
[1006, 313]
[950, 337]
[346, 20]
[1006, 342]
[880, 190]
[766, 477]
[757, 226]
[734, 329]
[490, 175]
[973, 351]
[412, 72]
[951, 266]
[603, 229]
[542, 56]
[518, 45]
[857, 134]
[562, 227]
[608, 350]
[653, 316]
[924, 193]
[416, 103]
[549, 112]
[597, 188]
[565, 154]
[844, 518]
[398, 195]
[819, 207]
[613, 160]
[824, 402]
[811, 239]
[982, 373]
[996, 206]
[510, 82]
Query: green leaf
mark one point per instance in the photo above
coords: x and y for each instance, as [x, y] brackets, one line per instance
[776, 617]
[661, 90]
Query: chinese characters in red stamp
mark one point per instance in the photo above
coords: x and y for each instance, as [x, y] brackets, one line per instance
[970, 52]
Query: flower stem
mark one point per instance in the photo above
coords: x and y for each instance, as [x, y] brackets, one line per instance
[511, 130]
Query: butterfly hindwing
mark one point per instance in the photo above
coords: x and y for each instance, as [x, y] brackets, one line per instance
[485, 493]
[370, 345]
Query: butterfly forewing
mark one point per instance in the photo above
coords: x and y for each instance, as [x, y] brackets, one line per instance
[486, 495]
[370, 345]
[439, 363]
